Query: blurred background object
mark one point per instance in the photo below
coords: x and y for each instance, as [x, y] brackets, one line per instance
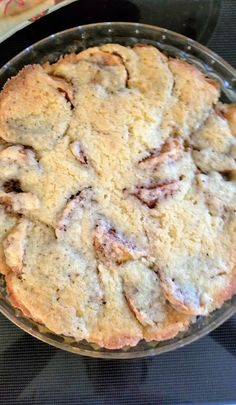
[17, 14]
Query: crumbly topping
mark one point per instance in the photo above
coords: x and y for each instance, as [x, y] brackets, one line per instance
[117, 194]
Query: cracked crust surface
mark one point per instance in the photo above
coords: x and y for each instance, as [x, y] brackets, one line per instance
[117, 195]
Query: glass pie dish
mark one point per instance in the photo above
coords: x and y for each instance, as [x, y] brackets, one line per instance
[173, 44]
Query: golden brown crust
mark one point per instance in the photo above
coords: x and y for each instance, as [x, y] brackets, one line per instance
[144, 294]
[14, 246]
[175, 323]
[7, 223]
[45, 115]
[123, 164]
[229, 111]
[4, 269]
[188, 112]
[116, 342]
[15, 300]
[182, 303]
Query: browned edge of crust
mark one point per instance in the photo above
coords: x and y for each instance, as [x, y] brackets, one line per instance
[219, 298]
[168, 332]
[115, 342]
[4, 269]
[177, 304]
[15, 301]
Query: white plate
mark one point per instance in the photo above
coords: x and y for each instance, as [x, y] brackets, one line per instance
[9, 25]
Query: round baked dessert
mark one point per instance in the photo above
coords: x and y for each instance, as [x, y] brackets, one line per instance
[117, 195]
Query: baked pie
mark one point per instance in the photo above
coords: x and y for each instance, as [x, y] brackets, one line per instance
[117, 195]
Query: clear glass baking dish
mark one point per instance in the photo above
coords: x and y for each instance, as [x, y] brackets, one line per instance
[173, 44]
